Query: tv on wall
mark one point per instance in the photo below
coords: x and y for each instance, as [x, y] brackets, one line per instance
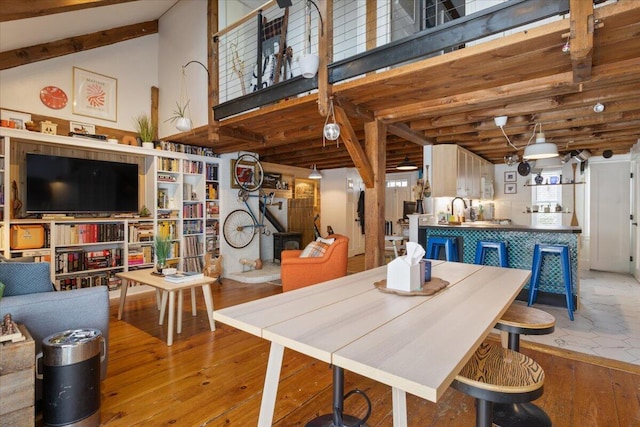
[59, 184]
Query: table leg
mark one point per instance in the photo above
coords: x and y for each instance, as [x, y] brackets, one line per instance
[208, 303]
[163, 307]
[179, 326]
[123, 296]
[194, 312]
[158, 299]
[172, 313]
[395, 247]
[270, 390]
[399, 398]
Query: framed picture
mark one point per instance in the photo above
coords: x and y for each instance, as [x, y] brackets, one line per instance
[244, 171]
[305, 189]
[94, 95]
[272, 180]
[83, 128]
[510, 176]
[510, 188]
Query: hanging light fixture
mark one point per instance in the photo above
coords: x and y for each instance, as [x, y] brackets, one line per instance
[541, 149]
[406, 165]
[511, 159]
[309, 62]
[315, 174]
[331, 131]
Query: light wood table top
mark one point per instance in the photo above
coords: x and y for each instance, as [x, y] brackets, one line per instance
[416, 344]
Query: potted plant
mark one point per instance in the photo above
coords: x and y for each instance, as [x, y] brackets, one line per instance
[146, 130]
[162, 247]
[182, 122]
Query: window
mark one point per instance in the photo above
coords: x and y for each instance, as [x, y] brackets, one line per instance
[547, 198]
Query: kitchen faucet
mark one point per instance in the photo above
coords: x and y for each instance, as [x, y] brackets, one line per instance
[452, 202]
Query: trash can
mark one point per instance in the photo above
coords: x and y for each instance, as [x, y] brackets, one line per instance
[71, 378]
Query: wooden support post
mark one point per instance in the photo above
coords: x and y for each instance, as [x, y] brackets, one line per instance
[213, 86]
[581, 39]
[375, 149]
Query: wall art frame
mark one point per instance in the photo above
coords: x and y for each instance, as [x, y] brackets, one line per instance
[95, 95]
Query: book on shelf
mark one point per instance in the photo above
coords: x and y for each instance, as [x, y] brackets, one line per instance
[183, 276]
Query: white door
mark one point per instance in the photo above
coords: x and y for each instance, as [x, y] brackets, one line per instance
[635, 212]
[609, 210]
[356, 238]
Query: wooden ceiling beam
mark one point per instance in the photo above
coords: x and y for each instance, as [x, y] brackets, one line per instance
[581, 39]
[44, 51]
[13, 10]
[350, 139]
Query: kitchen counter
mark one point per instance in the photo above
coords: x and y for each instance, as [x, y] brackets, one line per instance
[506, 227]
[520, 240]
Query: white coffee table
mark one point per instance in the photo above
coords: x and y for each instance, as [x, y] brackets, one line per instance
[168, 289]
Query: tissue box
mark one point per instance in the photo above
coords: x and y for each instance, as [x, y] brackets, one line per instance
[402, 276]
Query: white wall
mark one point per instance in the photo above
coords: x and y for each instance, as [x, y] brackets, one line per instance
[133, 63]
[183, 38]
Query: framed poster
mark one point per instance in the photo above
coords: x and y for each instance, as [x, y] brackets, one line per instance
[510, 176]
[305, 189]
[272, 180]
[244, 172]
[94, 95]
[510, 188]
[83, 128]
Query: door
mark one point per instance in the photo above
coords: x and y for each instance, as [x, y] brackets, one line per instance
[635, 215]
[356, 238]
[609, 210]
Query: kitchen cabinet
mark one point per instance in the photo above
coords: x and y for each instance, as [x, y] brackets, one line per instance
[457, 172]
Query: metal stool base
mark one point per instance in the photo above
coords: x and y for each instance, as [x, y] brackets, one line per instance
[520, 415]
[327, 421]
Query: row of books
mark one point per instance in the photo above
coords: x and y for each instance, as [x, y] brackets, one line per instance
[192, 246]
[187, 149]
[139, 256]
[71, 234]
[168, 229]
[192, 210]
[104, 279]
[192, 264]
[168, 164]
[191, 166]
[141, 232]
[192, 227]
[70, 261]
[211, 172]
[212, 190]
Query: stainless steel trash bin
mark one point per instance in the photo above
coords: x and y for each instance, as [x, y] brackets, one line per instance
[71, 378]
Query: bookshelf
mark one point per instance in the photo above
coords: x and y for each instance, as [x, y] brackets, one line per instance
[212, 209]
[180, 190]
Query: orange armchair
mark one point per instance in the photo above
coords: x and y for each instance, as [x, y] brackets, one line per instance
[299, 272]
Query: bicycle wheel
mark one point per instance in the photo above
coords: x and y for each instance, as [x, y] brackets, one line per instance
[238, 229]
[248, 172]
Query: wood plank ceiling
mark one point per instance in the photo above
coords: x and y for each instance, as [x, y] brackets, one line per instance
[453, 98]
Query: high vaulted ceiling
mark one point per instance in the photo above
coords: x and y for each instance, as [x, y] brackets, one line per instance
[450, 99]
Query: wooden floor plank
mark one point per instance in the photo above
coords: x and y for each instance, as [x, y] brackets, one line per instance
[215, 378]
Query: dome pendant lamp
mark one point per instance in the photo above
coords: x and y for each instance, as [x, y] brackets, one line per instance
[406, 165]
[541, 149]
[315, 174]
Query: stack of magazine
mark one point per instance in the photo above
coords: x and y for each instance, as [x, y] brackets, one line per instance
[183, 276]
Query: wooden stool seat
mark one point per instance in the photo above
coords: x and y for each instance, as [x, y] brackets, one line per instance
[500, 375]
[520, 319]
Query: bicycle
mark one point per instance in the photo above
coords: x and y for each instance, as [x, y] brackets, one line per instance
[241, 225]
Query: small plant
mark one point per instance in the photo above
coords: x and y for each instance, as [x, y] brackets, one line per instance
[179, 112]
[144, 211]
[162, 247]
[145, 127]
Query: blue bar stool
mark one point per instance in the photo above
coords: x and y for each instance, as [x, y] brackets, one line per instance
[450, 245]
[501, 247]
[538, 252]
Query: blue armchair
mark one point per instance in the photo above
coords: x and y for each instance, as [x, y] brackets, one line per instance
[31, 299]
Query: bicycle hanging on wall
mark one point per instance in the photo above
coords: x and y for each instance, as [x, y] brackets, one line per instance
[241, 225]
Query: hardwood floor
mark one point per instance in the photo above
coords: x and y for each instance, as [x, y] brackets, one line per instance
[215, 378]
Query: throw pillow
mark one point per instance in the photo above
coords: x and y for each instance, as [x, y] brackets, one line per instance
[314, 249]
[326, 241]
[21, 278]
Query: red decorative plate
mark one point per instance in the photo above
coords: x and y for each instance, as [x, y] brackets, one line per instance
[53, 97]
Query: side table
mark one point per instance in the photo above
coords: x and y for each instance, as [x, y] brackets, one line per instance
[17, 381]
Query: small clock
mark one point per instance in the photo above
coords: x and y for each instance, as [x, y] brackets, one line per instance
[53, 97]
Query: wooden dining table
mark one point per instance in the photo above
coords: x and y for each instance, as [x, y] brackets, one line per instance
[415, 344]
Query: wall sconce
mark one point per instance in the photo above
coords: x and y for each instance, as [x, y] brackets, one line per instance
[315, 174]
[331, 131]
[406, 165]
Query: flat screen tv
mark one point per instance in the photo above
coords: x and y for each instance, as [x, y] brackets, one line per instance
[59, 184]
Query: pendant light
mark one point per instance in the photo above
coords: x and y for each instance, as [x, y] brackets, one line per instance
[331, 131]
[541, 149]
[406, 165]
[315, 174]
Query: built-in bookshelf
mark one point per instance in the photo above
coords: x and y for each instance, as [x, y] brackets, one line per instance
[180, 191]
[212, 209]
